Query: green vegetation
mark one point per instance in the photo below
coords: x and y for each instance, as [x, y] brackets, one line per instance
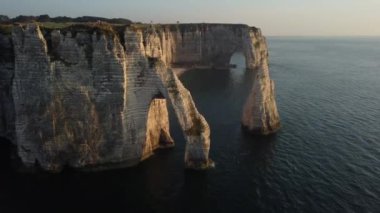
[89, 27]
[103, 27]
[79, 24]
[54, 25]
[61, 19]
[139, 26]
[6, 29]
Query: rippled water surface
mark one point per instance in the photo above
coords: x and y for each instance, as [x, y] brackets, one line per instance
[326, 158]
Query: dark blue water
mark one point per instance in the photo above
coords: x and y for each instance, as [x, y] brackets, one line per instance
[326, 158]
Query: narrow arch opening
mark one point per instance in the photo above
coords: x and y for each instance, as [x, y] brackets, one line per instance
[219, 95]
[157, 127]
[237, 60]
[238, 67]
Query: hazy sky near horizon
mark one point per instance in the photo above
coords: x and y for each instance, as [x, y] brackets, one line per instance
[274, 17]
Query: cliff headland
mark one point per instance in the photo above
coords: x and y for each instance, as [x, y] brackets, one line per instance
[93, 95]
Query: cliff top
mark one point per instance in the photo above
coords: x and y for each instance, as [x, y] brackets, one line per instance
[91, 24]
[61, 19]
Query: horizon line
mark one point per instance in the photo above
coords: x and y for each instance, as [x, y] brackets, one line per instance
[268, 35]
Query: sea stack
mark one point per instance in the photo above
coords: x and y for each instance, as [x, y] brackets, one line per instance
[260, 115]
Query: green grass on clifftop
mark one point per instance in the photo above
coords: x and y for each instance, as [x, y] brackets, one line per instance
[54, 25]
[6, 29]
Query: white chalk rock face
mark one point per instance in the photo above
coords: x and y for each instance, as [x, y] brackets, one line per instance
[95, 96]
[146, 56]
[193, 124]
[260, 115]
[81, 101]
[157, 133]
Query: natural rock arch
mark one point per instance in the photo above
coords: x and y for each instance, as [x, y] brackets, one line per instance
[157, 128]
[83, 96]
[238, 58]
[211, 46]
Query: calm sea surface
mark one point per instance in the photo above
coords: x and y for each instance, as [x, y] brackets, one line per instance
[326, 158]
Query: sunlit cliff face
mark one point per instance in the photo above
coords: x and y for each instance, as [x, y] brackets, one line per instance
[95, 96]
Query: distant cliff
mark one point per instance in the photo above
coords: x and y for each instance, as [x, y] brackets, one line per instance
[94, 96]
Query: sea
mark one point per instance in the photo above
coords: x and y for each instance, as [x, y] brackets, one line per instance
[325, 158]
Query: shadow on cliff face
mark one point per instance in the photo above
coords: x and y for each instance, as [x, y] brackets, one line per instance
[5, 154]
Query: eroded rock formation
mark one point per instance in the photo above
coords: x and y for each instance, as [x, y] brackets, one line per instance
[157, 133]
[6, 78]
[260, 115]
[95, 97]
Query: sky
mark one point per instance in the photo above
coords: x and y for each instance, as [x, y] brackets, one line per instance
[274, 17]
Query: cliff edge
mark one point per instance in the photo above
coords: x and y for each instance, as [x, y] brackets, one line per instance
[95, 96]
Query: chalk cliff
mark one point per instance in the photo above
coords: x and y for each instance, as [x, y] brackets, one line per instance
[260, 115]
[211, 46]
[6, 78]
[95, 96]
